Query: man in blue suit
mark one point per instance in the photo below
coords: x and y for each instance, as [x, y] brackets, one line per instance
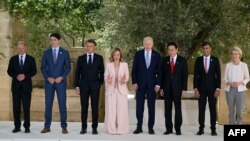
[55, 67]
[146, 77]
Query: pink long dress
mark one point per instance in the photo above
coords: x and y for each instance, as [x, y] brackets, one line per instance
[116, 101]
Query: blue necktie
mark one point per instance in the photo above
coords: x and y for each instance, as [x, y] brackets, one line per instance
[147, 60]
[54, 55]
[21, 62]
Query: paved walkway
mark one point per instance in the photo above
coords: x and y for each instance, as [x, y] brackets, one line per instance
[188, 133]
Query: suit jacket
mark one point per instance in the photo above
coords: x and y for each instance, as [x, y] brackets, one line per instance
[210, 80]
[110, 70]
[89, 75]
[176, 81]
[144, 76]
[61, 68]
[242, 75]
[29, 70]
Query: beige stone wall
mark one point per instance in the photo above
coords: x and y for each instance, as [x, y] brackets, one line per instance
[5, 98]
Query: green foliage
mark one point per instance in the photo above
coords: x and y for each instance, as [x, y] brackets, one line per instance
[72, 18]
[224, 23]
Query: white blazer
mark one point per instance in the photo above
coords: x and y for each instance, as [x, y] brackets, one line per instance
[242, 75]
[110, 70]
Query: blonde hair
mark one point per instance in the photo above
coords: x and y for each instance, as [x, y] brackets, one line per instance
[238, 49]
[111, 59]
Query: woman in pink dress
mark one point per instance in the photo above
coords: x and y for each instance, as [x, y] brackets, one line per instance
[116, 102]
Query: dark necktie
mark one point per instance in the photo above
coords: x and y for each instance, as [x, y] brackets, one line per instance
[21, 62]
[90, 60]
[172, 66]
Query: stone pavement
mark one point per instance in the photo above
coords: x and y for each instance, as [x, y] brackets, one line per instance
[188, 133]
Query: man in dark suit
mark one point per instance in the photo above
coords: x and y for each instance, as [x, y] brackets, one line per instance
[146, 76]
[89, 77]
[22, 68]
[207, 84]
[173, 87]
[55, 68]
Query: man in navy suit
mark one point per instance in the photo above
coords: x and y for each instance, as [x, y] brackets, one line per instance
[22, 68]
[55, 67]
[207, 84]
[173, 87]
[146, 77]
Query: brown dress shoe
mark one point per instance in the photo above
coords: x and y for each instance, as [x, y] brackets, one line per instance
[65, 131]
[45, 130]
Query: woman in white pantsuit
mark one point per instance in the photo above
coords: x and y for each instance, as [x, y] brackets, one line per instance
[116, 91]
[236, 78]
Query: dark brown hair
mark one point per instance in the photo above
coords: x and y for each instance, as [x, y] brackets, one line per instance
[56, 35]
[172, 44]
[91, 41]
[205, 44]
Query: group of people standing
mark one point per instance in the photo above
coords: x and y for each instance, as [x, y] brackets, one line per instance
[150, 75]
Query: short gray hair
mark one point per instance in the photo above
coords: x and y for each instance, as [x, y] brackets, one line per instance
[148, 38]
[21, 43]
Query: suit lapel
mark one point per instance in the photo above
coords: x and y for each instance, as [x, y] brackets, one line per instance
[94, 59]
[144, 59]
[25, 61]
[210, 64]
[17, 61]
[168, 63]
[59, 55]
[120, 70]
[112, 69]
[51, 55]
[84, 59]
[203, 65]
[177, 63]
[151, 59]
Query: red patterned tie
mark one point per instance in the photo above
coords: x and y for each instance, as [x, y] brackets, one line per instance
[172, 66]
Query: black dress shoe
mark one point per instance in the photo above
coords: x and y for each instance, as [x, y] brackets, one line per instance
[151, 131]
[15, 130]
[94, 131]
[83, 131]
[178, 133]
[168, 132]
[213, 133]
[137, 131]
[200, 132]
[27, 130]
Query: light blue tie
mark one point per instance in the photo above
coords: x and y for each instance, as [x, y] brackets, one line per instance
[54, 55]
[147, 59]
